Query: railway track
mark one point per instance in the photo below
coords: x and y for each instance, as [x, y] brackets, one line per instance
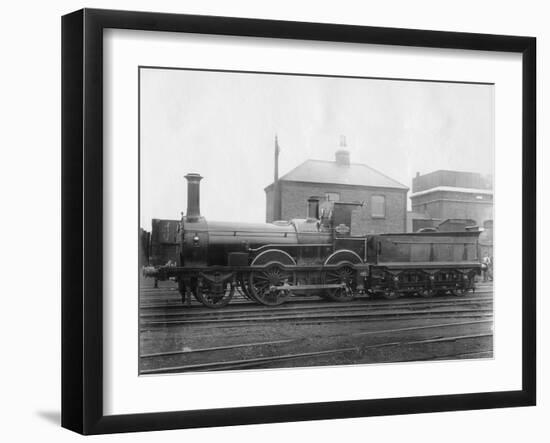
[310, 319]
[313, 306]
[306, 331]
[475, 307]
[173, 300]
[267, 361]
[287, 341]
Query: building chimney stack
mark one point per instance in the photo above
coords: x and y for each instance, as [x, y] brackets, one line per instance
[193, 196]
[342, 155]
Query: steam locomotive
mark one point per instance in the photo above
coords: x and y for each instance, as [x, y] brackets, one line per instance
[319, 254]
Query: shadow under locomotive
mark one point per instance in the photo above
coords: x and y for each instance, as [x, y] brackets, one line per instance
[272, 261]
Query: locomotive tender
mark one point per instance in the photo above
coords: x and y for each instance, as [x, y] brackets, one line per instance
[320, 254]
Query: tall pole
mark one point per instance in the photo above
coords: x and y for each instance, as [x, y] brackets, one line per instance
[276, 169]
[277, 200]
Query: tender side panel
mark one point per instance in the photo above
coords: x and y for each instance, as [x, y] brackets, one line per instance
[424, 247]
[423, 261]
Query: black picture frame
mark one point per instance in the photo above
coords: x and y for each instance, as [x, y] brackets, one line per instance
[82, 215]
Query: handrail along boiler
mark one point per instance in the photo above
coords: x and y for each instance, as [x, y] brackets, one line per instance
[319, 254]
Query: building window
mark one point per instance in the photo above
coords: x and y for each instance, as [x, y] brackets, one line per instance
[332, 196]
[378, 206]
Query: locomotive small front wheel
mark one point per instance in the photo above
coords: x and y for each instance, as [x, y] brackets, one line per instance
[263, 285]
[211, 298]
[344, 276]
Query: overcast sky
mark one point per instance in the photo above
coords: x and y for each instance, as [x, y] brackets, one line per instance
[222, 125]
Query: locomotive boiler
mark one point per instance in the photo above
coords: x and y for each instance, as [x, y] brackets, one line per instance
[319, 254]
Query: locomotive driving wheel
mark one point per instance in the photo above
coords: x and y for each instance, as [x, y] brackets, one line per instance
[345, 276]
[264, 285]
[214, 295]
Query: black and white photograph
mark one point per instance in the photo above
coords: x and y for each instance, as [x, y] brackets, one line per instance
[302, 220]
[275, 221]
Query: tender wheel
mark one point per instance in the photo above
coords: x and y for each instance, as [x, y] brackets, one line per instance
[427, 292]
[459, 292]
[214, 295]
[343, 275]
[261, 283]
[390, 294]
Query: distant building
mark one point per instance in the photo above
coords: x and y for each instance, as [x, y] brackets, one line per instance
[457, 224]
[420, 220]
[486, 239]
[443, 195]
[384, 200]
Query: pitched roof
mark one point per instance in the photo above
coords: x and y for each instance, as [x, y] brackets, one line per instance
[355, 174]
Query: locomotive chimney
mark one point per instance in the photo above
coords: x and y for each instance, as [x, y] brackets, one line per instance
[193, 196]
[313, 207]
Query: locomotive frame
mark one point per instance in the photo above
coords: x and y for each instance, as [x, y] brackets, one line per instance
[82, 231]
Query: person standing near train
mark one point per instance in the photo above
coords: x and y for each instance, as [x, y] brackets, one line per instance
[487, 262]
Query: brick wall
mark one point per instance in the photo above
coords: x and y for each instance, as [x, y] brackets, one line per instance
[295, 195]
[269, 195]
[444, 205]
[451, 178]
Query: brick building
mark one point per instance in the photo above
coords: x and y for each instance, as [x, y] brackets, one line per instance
[384, 200]
[442, 195]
